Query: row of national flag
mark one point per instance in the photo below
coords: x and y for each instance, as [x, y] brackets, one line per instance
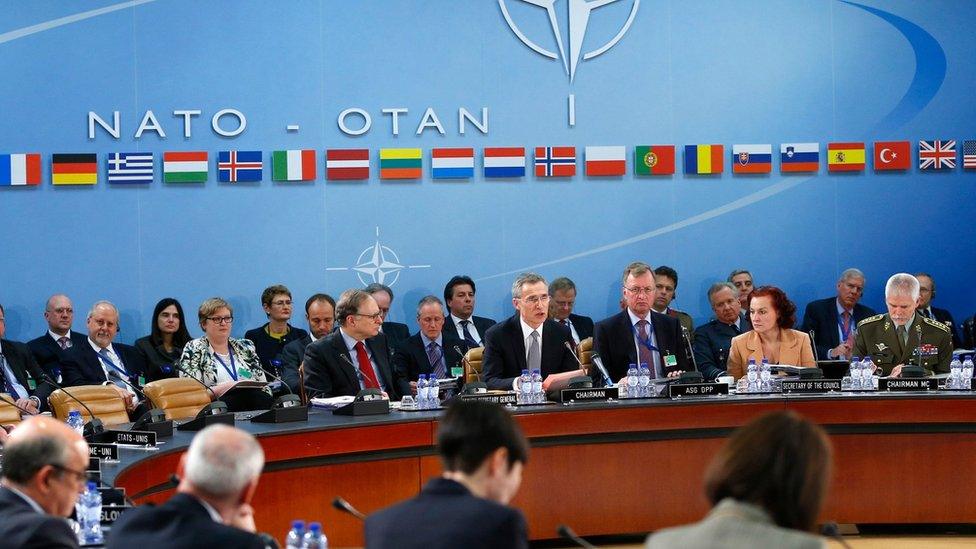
[497, 162]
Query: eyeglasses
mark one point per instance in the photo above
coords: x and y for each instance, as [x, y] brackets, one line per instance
[79, 476]
[374, 316]
[221, 319]
[638, 290]
[282, 303]
[63, 310]
[536, 299]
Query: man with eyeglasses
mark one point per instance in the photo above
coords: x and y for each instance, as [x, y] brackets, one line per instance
[834, 320]
[396, 332]
[432, 350]
[529, 339]
[354, 357]
[49, 349]
[270, 339]
[562, 301]
[638, 335]
[20, 376]
[44, 465]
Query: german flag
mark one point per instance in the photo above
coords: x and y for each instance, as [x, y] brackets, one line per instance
[74, 169]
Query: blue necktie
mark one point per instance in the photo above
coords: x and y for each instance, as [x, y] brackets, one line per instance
[8, 385]
[468, 338]
[436, 358]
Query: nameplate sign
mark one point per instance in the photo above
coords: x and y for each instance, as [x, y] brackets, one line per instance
[112, 496]
[506, 398]
[94, 464]
[103, 451]
[132, 438]
[599, 394]
[811, 386]
[676, 390]
[111, 513]
[909, 384]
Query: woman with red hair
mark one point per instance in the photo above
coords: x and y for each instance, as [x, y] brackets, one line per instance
[772, 337]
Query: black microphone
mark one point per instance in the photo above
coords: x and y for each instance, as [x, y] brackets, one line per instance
[568, 533]
[15, 405]
[346, 507]
[119, 377]
[573, 352]
[598, 362]
[689, 351]
[830, 530]
[464, 360]
[181, 369]
[94, 425]
[277, 377]
[813, 343]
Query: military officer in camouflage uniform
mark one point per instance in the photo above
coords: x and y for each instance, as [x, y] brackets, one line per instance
[901, 337]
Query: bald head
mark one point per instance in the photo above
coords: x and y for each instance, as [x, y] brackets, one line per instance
[222, 463]
[103, 323]
[59, 314]
[46, 459]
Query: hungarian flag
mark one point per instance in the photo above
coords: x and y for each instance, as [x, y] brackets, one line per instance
[654, 160]
[401, 163]
[347, 164]
[452, 163]
[892, 155]
[74, 169]
[20, 169]
[555, 161]
[504, 162]
[752, 158]
[704, 159]
[185, 167]
[845, 157]
[293, 165]
[606, 161]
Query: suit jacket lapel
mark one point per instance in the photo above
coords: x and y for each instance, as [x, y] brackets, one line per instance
[382, 362]
[627, 328]
[339, 346]
[516, 327]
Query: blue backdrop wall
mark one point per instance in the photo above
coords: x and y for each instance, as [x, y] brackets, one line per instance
[721, 72]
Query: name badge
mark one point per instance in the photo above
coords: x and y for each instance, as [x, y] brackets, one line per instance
[457, 371]
[243, 372]
[811, 386]
[670, 361]
[677, 390]
[132, 438]
[111, 513]
[108, 452]
[916, 384]
[600, 394]
[142, 381]
[506, 398]
[31, 384]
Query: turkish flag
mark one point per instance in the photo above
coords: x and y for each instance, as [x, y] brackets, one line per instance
[892, 155]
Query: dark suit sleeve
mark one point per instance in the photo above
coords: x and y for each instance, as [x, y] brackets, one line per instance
[708, 364]
[404, 365]
[291, 357]
[601, 348]
[52, 533]
[72, 373]
[493, 362]
[318, 381]
[44, 389]
[811, 321]
[512, 532]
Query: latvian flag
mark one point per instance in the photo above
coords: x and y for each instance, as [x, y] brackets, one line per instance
[297, 165]
[20, 169]
[185, 166]
[239, 166]
[74, 169]
[606, 161]
[130, 167]
[347, 164]
[752, 158]
[555, 161]
[937, 155]
[401, 163]
[452, 163]
[799, 157]
[845, 157]
[704, 159]
[654, 160]
[504, 162]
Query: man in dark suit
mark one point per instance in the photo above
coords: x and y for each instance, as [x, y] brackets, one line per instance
[562, 300]
[396, 332]
[355, 356]
[320, 313]
[925, 308]
[528, 339]
[48, 350]
[639, 335]
[482, 451]
[218, 476]
[459, 297]
[714, 339]
[100, 361]
[44, 466]
[431, 350]
[834, 319]
[20, 376]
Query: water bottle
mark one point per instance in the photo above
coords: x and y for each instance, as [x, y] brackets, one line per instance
[856, 373]
[538, 395]
[967, 373]
[644, 380]
[525, 388]
[765, 376]
[422, 392]
[867, 365]
[954, 381]
[433, 393]
[76, 422]
[294, 538]
[752, 376]
[90, 515]
[632, 382]
[314, 538]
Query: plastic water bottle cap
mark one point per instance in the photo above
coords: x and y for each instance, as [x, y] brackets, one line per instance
[525, 372]
[315, 527]
[298, 525]
[92, 486]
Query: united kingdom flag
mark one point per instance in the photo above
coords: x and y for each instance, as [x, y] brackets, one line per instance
[235, 166]
[555, 161]
[937, 155]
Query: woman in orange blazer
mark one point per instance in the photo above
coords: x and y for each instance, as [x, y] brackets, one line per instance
[772, 336]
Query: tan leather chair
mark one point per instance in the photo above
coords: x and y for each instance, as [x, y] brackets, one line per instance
[179, 397]
[104, 401]
[585, 353]
[472, 364]
[9, 414]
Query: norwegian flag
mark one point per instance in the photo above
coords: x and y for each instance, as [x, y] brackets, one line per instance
[937, 155]
[555, 161]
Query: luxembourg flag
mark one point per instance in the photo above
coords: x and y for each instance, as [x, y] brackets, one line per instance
[752, 158]
[20, 169]
[452, 163]
[606, 161]
[504, 162]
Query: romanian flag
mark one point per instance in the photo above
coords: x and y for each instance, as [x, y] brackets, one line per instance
[74, 169]
[401, 163]
[654, 160]
[845, 157]
[704, 159]
[20, 169]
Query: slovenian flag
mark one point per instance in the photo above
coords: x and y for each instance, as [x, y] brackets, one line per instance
[704, 159]
[452, 163]
[606, 161]
[20, 169]
[401, 163]
[799, 157]
[293, 165]
[185, 166]
[752, 158]
[504, 162]
[347, 164]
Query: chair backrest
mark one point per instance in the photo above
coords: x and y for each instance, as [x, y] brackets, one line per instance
[104, 401]
[179, 397]
[584, 351]
[9, 414]
[472, 364]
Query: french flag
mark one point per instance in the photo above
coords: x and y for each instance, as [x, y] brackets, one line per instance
[504, 162]
[20, 169]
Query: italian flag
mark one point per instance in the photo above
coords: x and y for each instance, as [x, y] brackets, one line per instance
[298, 165]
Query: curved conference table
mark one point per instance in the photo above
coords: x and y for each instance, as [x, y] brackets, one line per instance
[607, 468]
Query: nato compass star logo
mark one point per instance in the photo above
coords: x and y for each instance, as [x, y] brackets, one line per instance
[378, 263]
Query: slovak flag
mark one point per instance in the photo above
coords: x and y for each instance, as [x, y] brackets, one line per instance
[752, 158]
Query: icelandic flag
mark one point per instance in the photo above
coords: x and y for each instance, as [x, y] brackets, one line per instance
[130, 167]
[237, 166]
[452, 163]
[799, 157]
[752, 158]
[504, 162]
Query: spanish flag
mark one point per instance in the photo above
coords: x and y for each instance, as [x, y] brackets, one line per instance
[704, 159]
[74, 169]
[845, 157]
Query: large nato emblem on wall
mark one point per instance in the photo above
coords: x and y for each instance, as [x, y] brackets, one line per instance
[579, 12]
[378, 263]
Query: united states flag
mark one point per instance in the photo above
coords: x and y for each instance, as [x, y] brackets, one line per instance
[130, 167]
[969, 155]
[937, 155]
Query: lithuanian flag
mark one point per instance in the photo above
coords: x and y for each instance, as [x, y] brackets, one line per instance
[401, 163]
